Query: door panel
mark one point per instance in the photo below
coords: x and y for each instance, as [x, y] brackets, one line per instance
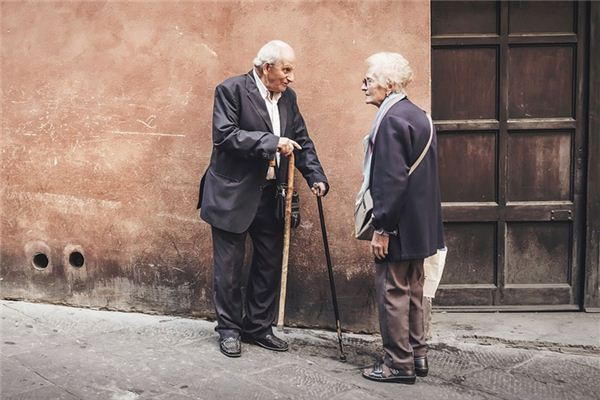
[541, 16]
[510, 127]
[458, 179]
[454, 66]
[463, 17]
[539, 166]
[538, 253]
[475, 242]
[540, 82]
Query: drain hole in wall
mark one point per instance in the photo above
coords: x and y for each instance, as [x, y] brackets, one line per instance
[76, 259]
[40, 260]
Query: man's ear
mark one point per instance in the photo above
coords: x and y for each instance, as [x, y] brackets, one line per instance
[265, 68]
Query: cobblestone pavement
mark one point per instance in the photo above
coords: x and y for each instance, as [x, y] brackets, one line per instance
[55, 352]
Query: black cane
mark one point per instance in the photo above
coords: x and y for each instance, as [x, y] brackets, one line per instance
[331, 281]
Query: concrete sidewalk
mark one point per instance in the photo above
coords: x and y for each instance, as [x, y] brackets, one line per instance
[567, 331]
[55, 352]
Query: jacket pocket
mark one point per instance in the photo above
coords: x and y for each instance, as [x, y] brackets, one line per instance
[225, 177]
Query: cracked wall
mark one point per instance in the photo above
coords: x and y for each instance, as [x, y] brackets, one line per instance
[106, 118]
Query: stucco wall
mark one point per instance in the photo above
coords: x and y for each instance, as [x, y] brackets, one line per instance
[106, 116]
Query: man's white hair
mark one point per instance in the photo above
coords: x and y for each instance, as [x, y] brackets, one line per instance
[273, 52]
[390, 68]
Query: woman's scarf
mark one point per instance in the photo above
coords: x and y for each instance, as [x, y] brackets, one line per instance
[369, 141]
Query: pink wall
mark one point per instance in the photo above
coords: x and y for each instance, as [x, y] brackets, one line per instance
[106, 116]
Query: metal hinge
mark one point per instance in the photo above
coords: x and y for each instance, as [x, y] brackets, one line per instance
[561, 215]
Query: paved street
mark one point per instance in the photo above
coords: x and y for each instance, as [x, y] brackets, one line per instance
[56, 352]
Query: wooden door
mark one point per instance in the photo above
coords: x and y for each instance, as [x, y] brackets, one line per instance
[508, 99]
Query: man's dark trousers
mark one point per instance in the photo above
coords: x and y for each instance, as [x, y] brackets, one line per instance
[263, 278]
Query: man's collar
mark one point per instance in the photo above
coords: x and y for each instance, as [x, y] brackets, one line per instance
[264, 92]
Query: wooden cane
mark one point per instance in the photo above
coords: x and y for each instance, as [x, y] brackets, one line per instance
[287, 230]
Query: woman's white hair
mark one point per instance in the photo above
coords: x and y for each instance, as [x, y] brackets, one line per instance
[390, 68]
[273, 52]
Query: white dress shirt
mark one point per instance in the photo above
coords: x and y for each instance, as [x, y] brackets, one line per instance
[271, 104]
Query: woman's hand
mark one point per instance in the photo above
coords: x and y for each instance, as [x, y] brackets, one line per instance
[379, 245]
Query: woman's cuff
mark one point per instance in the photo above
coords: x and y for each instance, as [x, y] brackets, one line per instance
[386, 233]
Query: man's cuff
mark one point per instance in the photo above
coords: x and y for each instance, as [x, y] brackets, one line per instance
[270, 150]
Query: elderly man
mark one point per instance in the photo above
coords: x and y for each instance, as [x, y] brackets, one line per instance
[256, 126]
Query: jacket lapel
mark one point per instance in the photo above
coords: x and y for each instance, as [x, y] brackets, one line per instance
[257, 101]
[283, 107]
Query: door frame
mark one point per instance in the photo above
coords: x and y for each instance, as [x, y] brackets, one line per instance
[591, 298]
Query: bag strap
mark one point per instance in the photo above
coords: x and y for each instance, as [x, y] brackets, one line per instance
[422, 156]
[423, 153]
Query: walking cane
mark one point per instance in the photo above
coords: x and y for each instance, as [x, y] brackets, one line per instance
[336, 311]
[287, 228]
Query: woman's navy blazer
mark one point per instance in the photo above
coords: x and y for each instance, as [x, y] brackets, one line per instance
[409, 205]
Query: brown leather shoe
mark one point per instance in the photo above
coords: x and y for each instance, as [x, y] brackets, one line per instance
[421, 366]
[382, 373]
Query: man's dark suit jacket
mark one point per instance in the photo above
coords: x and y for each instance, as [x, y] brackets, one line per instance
[407, 204]
[243, 144]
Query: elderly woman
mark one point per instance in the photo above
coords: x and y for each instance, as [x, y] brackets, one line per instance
[406, 218]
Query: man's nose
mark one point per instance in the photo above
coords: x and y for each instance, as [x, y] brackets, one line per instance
[290, 77]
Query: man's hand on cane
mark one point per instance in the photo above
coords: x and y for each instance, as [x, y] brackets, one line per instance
[286, 146]
[319, 189]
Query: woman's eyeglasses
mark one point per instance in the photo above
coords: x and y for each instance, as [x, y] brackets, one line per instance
[368, 81]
